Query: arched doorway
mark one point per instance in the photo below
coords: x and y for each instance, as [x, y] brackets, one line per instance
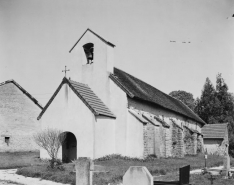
[69, 147]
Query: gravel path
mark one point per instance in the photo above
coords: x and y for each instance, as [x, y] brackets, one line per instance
[9, 177]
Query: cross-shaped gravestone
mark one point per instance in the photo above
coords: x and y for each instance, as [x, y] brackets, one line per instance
[65, 70]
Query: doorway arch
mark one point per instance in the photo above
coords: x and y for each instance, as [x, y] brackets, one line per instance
[69, 147]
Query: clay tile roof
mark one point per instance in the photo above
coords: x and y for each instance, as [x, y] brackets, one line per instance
[136, 88]
[138, 115]
[214, 130]
[89, 98]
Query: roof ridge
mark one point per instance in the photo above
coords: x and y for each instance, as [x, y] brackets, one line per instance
[102, 111]
[23, 90]
[101, 38]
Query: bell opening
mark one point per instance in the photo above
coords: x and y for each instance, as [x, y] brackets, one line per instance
[88, 49]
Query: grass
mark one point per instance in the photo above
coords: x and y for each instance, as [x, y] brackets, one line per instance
[18, 159]
[116, 166]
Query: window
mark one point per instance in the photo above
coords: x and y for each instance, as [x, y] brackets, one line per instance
[88, 49]
[7, 140]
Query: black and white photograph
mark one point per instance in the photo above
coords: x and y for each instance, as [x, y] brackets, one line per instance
[116, 92]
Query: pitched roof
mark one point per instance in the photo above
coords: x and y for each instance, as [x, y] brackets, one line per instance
[89, 98]
[102, 39]
[216, 131]
[24, 91]
[136, 88]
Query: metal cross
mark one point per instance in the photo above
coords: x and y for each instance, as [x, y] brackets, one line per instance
[65, 70]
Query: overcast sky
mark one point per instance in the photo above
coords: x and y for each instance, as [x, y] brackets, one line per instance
[36, 36]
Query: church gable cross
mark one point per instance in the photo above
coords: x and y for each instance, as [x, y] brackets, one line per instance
[65, 70]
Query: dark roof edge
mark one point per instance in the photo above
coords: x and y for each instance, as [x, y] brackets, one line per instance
[50, 101]
[24, 91]
[65, 80]
[190, 110]
[114, 79]
[198, 119]
[109, 43]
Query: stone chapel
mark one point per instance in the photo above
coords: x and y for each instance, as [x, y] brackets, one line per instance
[104, 110]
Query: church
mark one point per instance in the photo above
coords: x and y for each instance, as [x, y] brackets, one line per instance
[104, 110]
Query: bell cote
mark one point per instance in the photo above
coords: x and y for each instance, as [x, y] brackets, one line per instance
[92, 62]
[91, 54]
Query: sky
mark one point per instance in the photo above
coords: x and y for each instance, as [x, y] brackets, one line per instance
[170, 44]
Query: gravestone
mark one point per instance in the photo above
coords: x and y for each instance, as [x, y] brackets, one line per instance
[226, 163]
[84, 168]
[137, 175]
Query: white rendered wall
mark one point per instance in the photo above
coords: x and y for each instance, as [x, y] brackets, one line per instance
[135, 140]
[104, 137]
[119, 107]
[96, 75]
[69, 114]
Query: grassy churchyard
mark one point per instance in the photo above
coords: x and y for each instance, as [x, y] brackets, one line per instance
[112, 168]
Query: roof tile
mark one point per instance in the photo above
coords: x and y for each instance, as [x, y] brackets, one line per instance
[214, 130]
[139, 89]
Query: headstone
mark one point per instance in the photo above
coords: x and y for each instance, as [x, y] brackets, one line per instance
[226, 163]
[83, 166]
[184, 174]
[137, 175]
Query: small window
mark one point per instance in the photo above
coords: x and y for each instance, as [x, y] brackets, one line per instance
[88, 49]
[7, 140]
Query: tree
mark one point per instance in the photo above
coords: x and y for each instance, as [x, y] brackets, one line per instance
[204, 105]
[50, 140]
[216, 105]
[185, 97]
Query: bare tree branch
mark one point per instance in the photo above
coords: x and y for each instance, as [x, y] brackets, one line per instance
[51, 140]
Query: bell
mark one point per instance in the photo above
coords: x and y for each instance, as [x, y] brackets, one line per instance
[89, 56]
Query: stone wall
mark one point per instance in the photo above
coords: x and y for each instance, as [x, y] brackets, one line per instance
[190, 142]
[145, 136]
[217, 146]
[18, 120]
[200, 144]
[168, 141]
[177, 141]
